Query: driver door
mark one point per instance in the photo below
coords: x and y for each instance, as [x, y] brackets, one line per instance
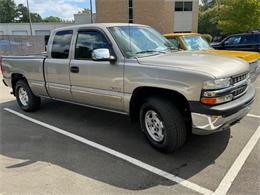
[95, 83]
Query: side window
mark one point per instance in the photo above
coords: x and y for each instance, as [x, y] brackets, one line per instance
[87, 41]
[61, 44]
[247, 39]
[233, 40]
[175, 42]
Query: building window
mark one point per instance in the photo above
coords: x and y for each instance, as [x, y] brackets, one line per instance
[183, 6]
[130, 11]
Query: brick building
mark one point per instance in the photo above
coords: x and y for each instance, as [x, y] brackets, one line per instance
[164, 15]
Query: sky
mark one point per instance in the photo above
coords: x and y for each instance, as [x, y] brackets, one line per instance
[60, 8]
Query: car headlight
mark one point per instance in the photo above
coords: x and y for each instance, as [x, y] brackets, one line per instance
[216, 92]
[217, 84]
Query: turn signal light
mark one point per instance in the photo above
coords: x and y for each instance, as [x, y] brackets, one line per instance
[216, 100]
[209, 101]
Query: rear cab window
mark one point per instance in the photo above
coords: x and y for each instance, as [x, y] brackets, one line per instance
[61, 44]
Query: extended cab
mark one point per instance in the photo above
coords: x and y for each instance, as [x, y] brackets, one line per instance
[134, 70]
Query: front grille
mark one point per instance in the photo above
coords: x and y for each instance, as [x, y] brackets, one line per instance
[239, 78]
[239, 91]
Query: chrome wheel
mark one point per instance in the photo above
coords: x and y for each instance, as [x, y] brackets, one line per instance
[154, 126]
[23, 96]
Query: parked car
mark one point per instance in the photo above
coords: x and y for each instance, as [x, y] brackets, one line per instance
[196, 41]
[132, 69]
[242, 42]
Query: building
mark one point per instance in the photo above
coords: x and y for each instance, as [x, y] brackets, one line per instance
[42, 29]
[164, 15]
[84, 18]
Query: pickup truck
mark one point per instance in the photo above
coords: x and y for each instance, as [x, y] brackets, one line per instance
[133, 70]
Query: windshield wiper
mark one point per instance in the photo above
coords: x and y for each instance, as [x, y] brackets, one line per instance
[149, 51]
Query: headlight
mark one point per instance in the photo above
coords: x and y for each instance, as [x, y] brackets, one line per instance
[216, 91]
[217, 84]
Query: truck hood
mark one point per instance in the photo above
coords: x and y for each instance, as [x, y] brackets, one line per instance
[215, 65]
[248, 56]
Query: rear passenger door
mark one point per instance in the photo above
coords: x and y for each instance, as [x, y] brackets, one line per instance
[57, 66]
[96, 83]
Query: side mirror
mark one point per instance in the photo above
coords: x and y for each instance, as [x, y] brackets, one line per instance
[102, 55]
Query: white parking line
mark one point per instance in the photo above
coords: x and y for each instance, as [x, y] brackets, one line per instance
[129, 159]
[4, 101]
[227, 181]
[253, 115]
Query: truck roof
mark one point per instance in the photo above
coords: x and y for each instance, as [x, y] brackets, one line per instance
[103, 25]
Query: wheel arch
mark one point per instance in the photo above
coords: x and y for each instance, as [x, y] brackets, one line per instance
[16, 77]
[140, 95]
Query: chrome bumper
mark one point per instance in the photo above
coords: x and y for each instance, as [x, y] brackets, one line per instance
[208, 124]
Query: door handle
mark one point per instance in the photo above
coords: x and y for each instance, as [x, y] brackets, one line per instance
[74, 69]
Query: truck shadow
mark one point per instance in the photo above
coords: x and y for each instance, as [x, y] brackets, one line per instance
[22, 139]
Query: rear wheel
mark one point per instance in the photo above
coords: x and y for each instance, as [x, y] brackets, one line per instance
[25, 98]
[163, 124]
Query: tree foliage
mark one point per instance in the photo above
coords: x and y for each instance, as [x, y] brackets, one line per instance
[238, 16]
[229, 16]
[52, 19]
[7, 11]
[23, 16]
[207, 22]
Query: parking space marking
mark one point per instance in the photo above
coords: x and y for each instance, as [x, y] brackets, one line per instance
[122, 156]
[227, 181]
[253, 115]
[4, 101]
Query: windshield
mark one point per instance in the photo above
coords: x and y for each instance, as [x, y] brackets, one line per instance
[196, 43]
[138, 41]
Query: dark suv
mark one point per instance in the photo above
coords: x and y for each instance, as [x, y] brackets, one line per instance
[244, 42]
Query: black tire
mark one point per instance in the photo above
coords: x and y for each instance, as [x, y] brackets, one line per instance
[33, 102]
[174, 128]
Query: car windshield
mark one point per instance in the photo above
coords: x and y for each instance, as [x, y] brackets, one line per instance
[196, 43]
[139, 41]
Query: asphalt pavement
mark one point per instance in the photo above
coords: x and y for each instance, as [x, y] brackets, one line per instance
[68, 149]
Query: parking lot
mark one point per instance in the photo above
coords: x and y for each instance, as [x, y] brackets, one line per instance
[68, 149]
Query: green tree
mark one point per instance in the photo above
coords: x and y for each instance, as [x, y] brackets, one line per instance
[23, 16]
[52, 19]
[238, 16]
[207, 21]
[7, 11]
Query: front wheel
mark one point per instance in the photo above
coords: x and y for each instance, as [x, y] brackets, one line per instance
[163, 124]
[25, 98]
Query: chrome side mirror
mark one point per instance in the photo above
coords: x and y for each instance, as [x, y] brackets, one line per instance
[102, 55]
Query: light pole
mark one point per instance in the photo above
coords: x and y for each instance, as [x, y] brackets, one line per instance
[30, 20]
[91, 12]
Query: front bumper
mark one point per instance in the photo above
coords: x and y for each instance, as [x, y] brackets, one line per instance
[208, 120]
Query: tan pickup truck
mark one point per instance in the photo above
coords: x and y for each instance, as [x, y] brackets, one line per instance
[134, 70]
